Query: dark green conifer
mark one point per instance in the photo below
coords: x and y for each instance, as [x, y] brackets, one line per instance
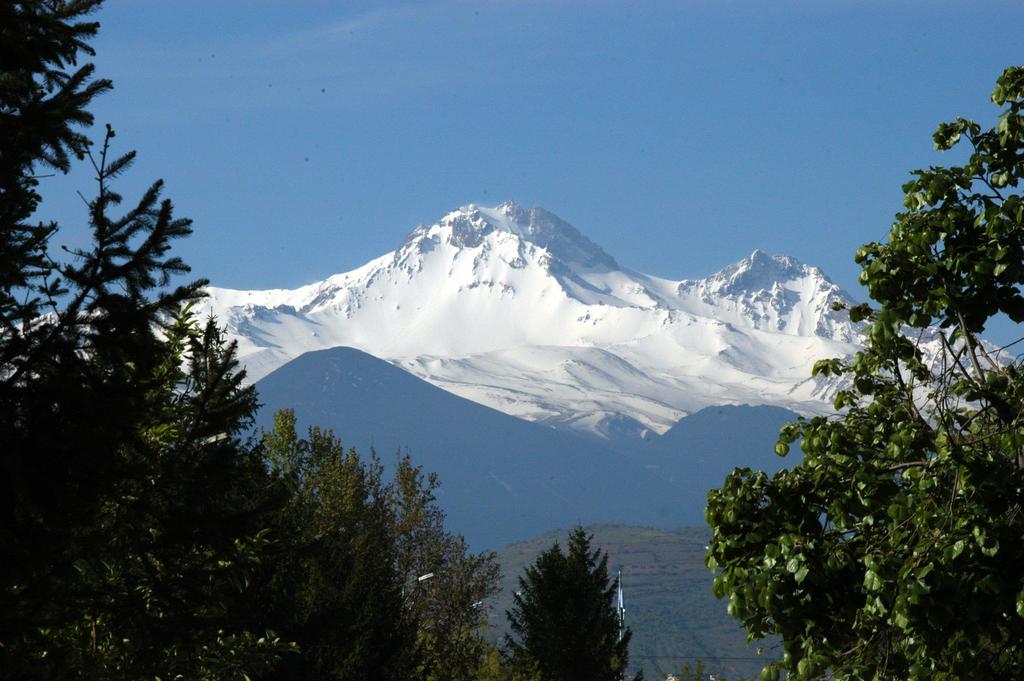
[563, 620]
[127, 520]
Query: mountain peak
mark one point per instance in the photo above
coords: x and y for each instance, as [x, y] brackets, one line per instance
[761, 261]
[514, 308]
[759, 271]
[470, 225]
[513, 210]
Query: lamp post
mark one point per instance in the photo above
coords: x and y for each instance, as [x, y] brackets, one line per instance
[417, 580]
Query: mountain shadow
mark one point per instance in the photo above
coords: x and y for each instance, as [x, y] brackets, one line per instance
[697, 453]
[502, 479]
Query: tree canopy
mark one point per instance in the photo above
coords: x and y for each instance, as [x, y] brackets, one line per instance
[344, 585]
[893, 549]
[126, 519]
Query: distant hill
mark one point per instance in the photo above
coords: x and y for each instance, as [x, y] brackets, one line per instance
[698, 452]
[669, 606]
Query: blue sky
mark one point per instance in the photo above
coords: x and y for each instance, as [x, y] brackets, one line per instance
[305, 138]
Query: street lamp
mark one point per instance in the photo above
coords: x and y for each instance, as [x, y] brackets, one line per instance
[416, 580]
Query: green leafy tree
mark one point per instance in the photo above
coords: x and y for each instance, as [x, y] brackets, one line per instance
[893, 550]
[127, 512]
[333, 585]
[344, 583]
[451, 607]
[699, 672]
[563, 620]
[494, 666]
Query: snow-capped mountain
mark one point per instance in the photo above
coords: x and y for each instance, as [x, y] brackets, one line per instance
[519, 311]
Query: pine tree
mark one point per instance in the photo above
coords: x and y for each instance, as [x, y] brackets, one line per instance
[42, 108]
[563, 620]
[128, 512]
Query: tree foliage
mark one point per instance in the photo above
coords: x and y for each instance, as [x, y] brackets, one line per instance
[43, 100]
[127, 512]
[111, 533]
[334, 587]
[451, 607]
[496, 666]
[344, 585]
[145, 533]
[563, 620]
[893, 550]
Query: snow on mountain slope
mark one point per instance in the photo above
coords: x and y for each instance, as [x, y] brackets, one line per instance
[517, 310]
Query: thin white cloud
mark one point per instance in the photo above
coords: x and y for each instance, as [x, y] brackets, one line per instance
[349, 57]
[337, 33]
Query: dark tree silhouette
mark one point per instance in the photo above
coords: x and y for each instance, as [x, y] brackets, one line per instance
[564, 623]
